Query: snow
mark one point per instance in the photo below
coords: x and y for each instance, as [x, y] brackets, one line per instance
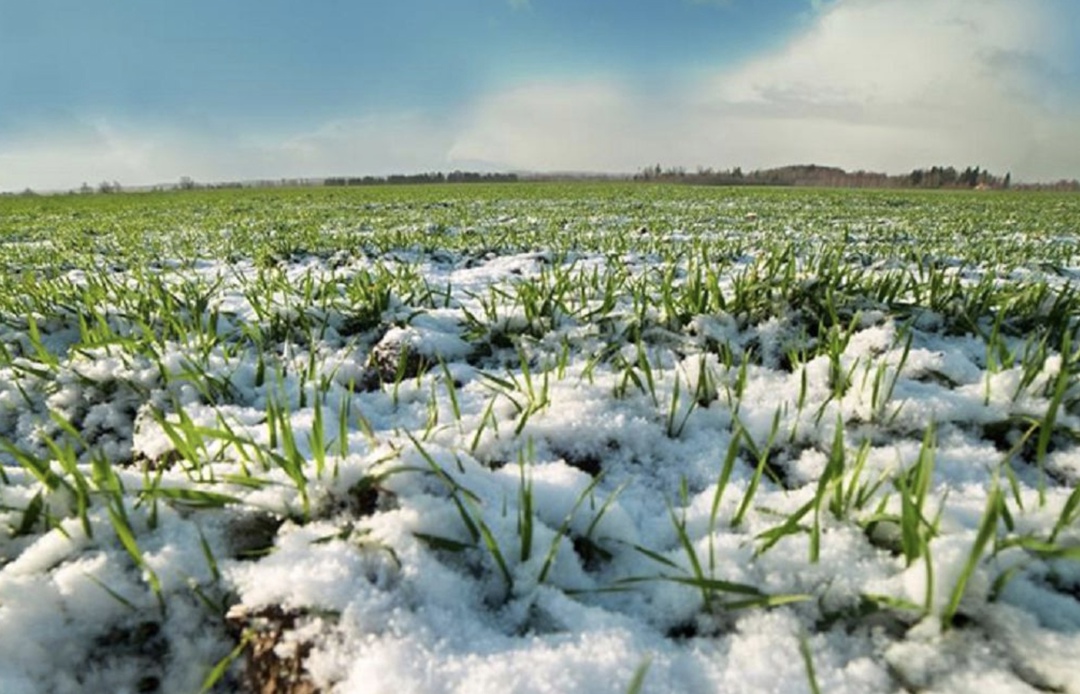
[540, 531]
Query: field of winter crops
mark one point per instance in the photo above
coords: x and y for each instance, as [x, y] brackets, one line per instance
[539, 438]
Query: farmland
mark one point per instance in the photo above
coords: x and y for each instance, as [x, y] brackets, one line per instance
[540, 438]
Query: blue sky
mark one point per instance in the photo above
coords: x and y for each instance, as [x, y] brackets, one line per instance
[143, 92]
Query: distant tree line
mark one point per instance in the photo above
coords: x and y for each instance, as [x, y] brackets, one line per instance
[105, 187]
[434, 177]
[972, 177]
[187, 183]
[935, 177]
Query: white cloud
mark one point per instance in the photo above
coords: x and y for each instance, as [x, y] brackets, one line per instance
[582, 125]
[381, 144]
[948, 55]
[84, 153]
[894, 85]
[874, 84]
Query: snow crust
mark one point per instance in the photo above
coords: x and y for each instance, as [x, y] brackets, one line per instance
[431, 583]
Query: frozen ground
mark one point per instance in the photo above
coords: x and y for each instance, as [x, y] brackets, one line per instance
[514, 470]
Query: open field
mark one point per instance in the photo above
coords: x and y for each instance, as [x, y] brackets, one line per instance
[540, 438]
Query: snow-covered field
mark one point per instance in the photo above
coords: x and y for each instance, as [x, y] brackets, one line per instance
[540, 439]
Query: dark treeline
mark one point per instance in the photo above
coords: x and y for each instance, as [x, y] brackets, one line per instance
[935, 177]
[948, 177]
[436, 177]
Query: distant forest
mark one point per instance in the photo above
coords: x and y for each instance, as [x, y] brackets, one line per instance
[436, 177]
[948, 177]
[811, 175]
[972, 177]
